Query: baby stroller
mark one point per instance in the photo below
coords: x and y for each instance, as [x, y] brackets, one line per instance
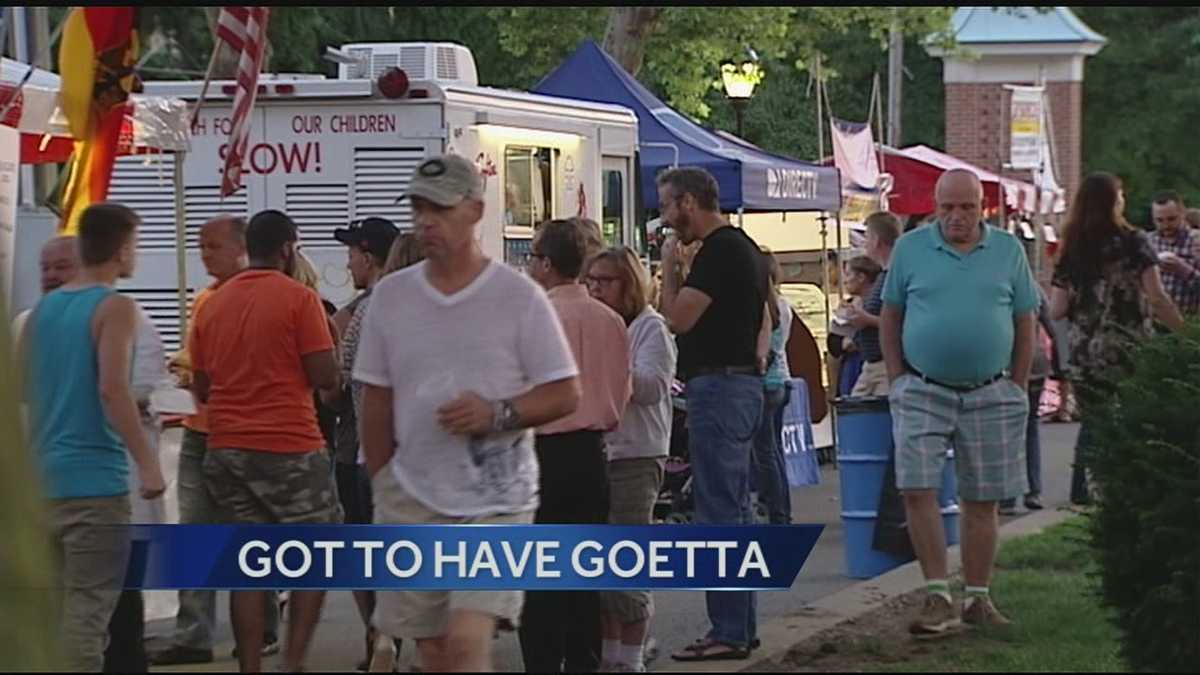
[676, 503]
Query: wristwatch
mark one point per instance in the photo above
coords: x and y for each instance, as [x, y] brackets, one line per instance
[505, 416]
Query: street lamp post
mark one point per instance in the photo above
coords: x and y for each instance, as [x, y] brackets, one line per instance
[739, 84]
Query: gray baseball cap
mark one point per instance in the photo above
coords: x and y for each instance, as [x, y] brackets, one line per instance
[446, 181]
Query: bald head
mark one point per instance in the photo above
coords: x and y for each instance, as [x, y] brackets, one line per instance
[957, 183]
[223, 246]
[59, 262]
[959, 197]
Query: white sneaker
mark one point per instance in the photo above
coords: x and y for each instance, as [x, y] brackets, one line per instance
[650, 651]
[383, 655]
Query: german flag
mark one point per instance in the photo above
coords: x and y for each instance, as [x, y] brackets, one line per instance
[96, 61]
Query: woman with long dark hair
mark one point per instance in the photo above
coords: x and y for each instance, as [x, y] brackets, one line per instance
[1107, 285]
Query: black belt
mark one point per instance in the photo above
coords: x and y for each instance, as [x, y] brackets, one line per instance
[722, 370]
[958, 387]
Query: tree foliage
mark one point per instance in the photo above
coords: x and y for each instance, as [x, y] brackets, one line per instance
[1144, 454]
[687, 44]
[1141, 101]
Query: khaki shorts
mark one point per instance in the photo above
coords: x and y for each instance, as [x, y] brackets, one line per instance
[633, 486]
[421, 615]
[873, 381]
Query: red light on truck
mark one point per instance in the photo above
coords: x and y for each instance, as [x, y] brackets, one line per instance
[393, 83]
[285, 89]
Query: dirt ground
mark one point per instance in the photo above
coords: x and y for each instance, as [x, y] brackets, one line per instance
[876, 639]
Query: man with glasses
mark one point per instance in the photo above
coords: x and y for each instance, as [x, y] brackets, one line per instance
[460, 356]
[720, 314]
[562, 629]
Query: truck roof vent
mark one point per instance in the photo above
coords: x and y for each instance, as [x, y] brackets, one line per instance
[441, 62]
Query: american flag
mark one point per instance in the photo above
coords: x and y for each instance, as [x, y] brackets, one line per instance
[245, 30]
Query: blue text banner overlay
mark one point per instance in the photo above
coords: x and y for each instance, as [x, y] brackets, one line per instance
[468, 557]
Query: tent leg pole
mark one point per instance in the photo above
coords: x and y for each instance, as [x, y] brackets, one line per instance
[841, 277]
[181, 245]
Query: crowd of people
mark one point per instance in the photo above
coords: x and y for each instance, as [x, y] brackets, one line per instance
[452, 389]
[455, 389]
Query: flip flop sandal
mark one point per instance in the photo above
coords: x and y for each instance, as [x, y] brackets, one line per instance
[702, 650]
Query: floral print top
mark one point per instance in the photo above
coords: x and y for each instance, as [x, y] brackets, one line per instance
[1108, 313]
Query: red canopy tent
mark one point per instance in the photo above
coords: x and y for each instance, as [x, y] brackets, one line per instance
[917, 168]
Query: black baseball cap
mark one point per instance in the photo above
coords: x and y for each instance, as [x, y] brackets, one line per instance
[373, 234]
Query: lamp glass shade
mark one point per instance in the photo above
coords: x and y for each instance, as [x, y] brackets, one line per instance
[740, 82]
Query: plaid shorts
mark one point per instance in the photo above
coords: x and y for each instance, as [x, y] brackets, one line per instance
[985, 427]
[269, 488]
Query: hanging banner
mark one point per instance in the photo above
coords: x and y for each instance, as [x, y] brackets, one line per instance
[10, 156]
[1026, 128]
[854, 154]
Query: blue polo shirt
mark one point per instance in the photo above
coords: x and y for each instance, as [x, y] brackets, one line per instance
[959, 307]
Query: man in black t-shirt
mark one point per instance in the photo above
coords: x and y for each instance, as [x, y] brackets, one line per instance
[720, 315]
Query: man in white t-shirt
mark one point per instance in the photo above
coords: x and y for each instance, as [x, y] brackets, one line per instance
[60, 264]
[461, 357]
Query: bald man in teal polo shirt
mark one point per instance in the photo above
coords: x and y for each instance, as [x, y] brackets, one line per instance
[957, 332]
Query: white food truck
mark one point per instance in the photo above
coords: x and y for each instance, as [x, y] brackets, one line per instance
[328, 152]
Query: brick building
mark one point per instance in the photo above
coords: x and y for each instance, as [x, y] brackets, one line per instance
[1016, 46]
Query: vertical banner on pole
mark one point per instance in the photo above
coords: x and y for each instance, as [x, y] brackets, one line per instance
[1026, 128]
[10, 162]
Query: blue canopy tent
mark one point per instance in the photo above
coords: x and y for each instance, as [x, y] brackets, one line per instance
[750, 178]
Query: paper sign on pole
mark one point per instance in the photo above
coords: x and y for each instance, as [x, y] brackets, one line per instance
[10, 162]
[1026, 128]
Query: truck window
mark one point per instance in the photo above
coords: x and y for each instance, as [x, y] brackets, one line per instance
[528, 185]
[613, 214]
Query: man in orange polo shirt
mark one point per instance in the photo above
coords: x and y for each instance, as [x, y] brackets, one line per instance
[223, 251]
[259, 348]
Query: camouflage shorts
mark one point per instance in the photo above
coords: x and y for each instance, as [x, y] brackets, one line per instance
[252, 487]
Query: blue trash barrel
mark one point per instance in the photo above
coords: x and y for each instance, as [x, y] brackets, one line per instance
[864, 428]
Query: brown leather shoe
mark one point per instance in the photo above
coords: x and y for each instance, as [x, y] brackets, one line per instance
[981, 612]
[937, 618]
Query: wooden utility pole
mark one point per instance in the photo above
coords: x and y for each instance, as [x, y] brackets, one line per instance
[895, 84]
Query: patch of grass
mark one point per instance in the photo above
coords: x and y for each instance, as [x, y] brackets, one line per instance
[1061, 548]
[1059, 625]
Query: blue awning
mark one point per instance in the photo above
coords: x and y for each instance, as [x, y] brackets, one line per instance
[750, 178]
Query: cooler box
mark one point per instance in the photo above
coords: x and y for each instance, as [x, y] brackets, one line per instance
[864, 428]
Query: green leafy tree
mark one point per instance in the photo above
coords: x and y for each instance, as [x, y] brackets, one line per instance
[28, 632]
[1145, 459]
[684, 46]
[1141, 101]
[783, 115]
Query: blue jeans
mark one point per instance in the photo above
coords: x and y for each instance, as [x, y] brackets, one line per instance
[723, 416]
[1033, 444]
[770, 472]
